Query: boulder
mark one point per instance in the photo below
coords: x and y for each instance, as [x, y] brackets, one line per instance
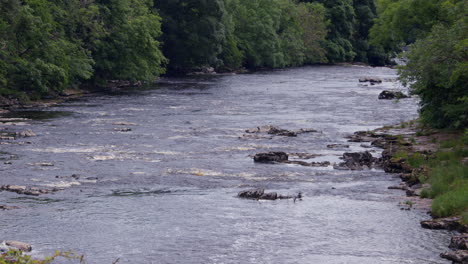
[11, 244]
[458, 256]
[448, 223]
[271, 157]
[388, 95]
[251, 194]
[371, 80]
[357, 160]
[260, 194]
[269, 196]
[459, 241]
[281, 132]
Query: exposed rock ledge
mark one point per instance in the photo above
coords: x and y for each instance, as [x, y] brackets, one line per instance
[260, 194]
[35, 191]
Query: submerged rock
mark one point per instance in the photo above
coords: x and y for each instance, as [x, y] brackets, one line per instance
[26, 133]
[273, 130]
[271, 157]
[7, 207]
[337, 146]
[308, 164]
[126, 129]
[304, 155]
[42, 164]
[388, 95]
[27, 190]
[458, 256]
[124, 124]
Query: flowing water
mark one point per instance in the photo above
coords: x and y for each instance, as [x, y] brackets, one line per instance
[159, 169]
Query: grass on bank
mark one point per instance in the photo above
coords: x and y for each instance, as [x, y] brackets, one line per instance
[447, 173]
[17, 257]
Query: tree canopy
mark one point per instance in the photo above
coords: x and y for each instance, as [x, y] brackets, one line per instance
[49, 45]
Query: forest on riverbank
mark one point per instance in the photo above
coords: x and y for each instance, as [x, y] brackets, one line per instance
[49, 45]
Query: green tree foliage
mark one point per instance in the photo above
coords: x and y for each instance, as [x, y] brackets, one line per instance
[129, 49]
[194, 32]
[277, 33]
[366, 13]
[402, 22]
[49, 45]
[314, 31]
[35, 53]
[341, 17]
[437, 70]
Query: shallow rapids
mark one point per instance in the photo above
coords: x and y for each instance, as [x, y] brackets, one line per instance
[156, 173]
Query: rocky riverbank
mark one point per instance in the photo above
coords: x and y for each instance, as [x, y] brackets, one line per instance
[401, 144]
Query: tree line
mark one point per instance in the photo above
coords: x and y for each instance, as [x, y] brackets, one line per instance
[49, 45]
[437, 58]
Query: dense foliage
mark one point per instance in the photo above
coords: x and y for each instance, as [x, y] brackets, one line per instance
[437, 69]
[47, 46]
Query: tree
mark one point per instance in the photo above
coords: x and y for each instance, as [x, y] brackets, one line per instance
[402, 22]
[314, 31]
[437, 70]
[194, 32]
[36, 55]
[341, 25]
[128, 49]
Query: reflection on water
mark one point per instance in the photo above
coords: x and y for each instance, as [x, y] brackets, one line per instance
[167, 162]
[37, 114]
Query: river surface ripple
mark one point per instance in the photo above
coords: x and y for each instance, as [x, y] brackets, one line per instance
[164, 192]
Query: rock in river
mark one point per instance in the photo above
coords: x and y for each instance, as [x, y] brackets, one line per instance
[260, 194]
[448, 223]
[371, 80]
[357, 160]
[459, 241]
[251, 194]
[7, 207]
[457, 256]
[272, 130]
[271, 157]
[11, 244]
[27, 190]
[387, 95]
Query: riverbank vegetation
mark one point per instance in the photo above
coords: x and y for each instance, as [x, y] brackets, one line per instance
[434, 34]
[444, 168]
[17, 257]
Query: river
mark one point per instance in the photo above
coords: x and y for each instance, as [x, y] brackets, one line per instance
[159, 169]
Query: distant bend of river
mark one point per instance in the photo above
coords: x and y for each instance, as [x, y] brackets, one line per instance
[157, 171]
